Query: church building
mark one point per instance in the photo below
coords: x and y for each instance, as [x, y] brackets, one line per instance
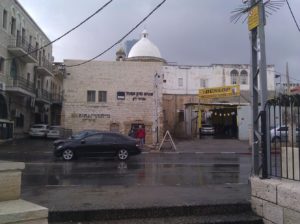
[116, 95]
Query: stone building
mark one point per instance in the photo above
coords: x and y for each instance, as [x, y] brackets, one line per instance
[27, 78]
[116, 95]
[181, 103]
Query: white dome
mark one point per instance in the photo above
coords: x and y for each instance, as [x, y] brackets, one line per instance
[144, 48]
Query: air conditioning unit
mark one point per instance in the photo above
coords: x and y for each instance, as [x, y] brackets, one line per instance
[2, 86]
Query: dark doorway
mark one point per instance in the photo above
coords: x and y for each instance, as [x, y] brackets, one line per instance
[3, 108]
[224, 121]
[134, 128]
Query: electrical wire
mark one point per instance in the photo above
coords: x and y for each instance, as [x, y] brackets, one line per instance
[282, 74]
[291, 11]
[122, 38]
[69, 31]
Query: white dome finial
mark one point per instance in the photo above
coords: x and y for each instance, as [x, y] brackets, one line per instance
[145, 33]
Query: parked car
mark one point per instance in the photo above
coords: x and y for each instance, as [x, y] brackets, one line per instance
[78, 135]
[55, 132]
[280, 133]
[99, 144]
[38, 130]
[207, 129]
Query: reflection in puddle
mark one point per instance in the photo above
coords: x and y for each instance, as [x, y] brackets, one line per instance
[129, 173]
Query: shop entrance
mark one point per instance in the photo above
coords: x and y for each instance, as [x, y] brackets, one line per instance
[219, 122]
[224, 121]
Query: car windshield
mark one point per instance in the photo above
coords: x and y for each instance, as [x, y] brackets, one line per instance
[38, 126]
[78, 135]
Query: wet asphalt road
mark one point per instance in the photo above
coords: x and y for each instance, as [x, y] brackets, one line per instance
[189, 169]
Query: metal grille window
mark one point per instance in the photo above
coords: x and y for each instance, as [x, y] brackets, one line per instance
[244, 77]
[13, 26]
[102, 96]
[203, 83]
[180, 82]
[1, 64]
[4, 19]
[91, 96]
[234, 77]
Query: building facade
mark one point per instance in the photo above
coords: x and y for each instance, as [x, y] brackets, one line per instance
[117, 95]
[181, 103]
[27, 78]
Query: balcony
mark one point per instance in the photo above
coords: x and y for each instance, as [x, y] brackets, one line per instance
[43, 96]
[21, 48]
[20, 85]
[45, 67]
[56, 98]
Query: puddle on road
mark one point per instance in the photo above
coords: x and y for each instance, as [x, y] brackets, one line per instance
[133, 173]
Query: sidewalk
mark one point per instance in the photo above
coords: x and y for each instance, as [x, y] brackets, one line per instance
[206, 145]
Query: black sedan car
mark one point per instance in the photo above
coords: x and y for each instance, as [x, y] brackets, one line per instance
[107, 144]
[78, 135]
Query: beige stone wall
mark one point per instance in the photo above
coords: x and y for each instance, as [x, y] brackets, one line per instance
[135, 79]
[276, 201]
[173, 104]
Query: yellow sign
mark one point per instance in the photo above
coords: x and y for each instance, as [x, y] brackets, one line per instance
[253, 18]
[218, 92]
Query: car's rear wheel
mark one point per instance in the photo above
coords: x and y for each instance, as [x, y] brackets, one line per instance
[123, 154]
[68, 154]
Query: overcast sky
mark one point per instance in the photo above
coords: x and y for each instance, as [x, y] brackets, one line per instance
[192, 32]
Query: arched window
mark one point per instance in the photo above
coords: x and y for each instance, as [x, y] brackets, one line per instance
[3, 108]
[234, 77]
[244, 77]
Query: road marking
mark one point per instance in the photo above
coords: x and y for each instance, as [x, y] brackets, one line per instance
[227, 152]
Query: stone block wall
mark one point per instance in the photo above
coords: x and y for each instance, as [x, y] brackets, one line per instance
[276, 201]
[14, 210]
[141, 102]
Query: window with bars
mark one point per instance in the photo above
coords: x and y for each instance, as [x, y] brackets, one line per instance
[203, 83]
[234, 74]
[244, 77]
[102, 96]
[13, 26]
[1, 64]
[4, 19]
[180, 82]
[91, 96]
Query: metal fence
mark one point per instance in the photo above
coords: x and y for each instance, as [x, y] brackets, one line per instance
[284, 137]
[20, 82]
[25, 45]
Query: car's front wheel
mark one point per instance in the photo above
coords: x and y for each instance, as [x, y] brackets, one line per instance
[68, 154]
[123, 154]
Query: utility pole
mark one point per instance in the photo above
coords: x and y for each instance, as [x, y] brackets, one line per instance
[256, 23]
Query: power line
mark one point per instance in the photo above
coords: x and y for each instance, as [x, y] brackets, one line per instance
[293, 15]
[122, 38]
[74, 28]
[282, 74]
